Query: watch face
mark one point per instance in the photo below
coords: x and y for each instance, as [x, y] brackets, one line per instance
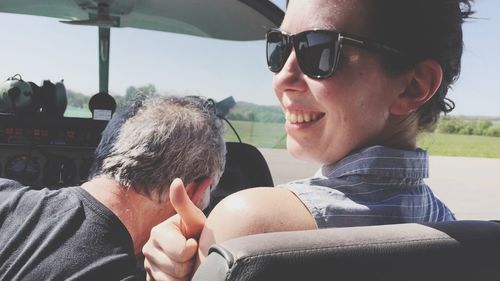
[23, 168]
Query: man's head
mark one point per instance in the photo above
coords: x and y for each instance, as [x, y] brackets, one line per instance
[154, 140]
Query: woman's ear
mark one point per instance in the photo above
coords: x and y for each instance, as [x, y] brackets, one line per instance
[423, 82]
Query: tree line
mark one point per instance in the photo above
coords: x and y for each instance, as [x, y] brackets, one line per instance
[245, 111]
[468, 126]
[80, 100]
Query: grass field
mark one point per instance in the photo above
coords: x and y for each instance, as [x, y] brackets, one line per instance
[272, 135]
[460, 145]
[268, 135]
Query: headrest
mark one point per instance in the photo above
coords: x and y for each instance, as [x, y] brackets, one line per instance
[462, 250]
[245, 168]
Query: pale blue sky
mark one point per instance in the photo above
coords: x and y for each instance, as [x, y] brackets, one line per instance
[42, 48]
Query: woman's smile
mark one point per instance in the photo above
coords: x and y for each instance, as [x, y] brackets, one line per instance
[302, 117]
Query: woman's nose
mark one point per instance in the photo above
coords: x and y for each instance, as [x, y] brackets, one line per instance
[290, 77]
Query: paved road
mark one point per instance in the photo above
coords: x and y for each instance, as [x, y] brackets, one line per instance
[470, 186]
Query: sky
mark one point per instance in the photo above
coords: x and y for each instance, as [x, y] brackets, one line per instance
[41, 48]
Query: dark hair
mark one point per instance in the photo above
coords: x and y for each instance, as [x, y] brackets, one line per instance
[424, 29]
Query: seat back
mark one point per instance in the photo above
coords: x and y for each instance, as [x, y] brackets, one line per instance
[462, 250]
[245, 167]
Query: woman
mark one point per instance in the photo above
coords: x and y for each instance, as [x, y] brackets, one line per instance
[357, 81]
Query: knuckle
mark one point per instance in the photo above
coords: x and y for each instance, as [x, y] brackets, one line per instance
[183, 255]
[182, 269]
[155, 231]
[145, 248]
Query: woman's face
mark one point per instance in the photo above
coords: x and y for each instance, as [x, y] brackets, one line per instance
[346, 111]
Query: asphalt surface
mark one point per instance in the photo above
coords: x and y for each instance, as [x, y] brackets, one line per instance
[469, 186]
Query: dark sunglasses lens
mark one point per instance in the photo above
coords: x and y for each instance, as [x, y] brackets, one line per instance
[316, 53]
[276, 50]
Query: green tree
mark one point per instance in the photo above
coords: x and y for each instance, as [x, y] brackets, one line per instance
[481, 127]
[493, 131]
[244, 111]
[130, 92]
[237, 116]
[120, 100]
[466, 130]
[447, 126]
[465, 126]
[250, 116]
[148, 90]
[77, 99]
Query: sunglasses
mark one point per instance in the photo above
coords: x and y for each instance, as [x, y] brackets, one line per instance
[318, 51]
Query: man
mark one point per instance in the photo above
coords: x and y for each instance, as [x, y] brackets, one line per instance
[95, 232]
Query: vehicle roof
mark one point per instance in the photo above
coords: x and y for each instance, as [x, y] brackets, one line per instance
[238, 20]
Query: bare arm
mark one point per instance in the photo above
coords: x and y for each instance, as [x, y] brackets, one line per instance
[252, 211]
[170, 253]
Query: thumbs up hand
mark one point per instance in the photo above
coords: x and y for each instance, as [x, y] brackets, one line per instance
[171, 249]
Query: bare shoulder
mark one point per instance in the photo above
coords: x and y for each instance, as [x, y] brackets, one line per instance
[255, 210]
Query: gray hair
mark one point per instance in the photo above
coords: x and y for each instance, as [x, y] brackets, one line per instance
[157, 139]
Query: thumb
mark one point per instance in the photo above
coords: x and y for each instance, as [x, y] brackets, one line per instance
[192, 219]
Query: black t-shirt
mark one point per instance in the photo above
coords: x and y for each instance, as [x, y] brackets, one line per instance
[63, 234]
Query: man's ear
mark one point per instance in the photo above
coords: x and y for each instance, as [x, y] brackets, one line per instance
[423, 82]
[196, 190]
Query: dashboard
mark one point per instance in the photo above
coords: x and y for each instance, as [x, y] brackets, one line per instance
[43, 152]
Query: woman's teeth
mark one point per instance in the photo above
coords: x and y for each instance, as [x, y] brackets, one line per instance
[301, 117]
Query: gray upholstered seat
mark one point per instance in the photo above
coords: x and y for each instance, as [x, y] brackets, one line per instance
[463, 250]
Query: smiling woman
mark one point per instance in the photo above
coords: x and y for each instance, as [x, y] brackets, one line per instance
[169, 61]
[358, 81]
[353, 93]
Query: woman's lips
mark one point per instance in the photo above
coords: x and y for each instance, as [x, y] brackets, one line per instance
[300, 116]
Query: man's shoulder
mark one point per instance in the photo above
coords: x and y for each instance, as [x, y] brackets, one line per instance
[11, 194]
[8, 184]
[62, 236]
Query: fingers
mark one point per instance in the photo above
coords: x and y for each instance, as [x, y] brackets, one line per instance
[180, 251]
[192, 219]
[168, 255]
[167, 238]
[170, 251]
[155, 273]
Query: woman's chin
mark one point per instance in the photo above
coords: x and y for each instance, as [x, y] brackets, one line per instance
[298, 151]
